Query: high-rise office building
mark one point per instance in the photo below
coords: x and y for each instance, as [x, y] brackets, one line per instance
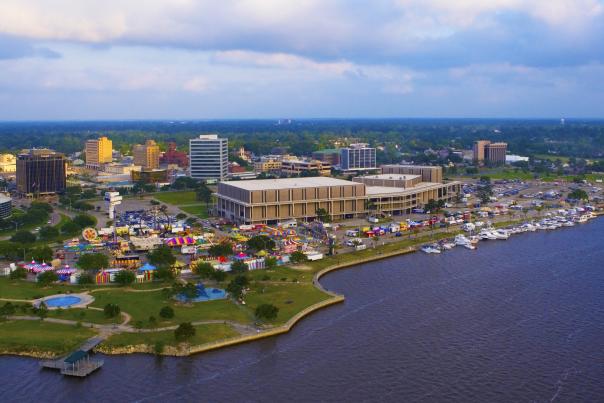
[40, 171]
[357, 157]
[8, 163]
[208, 157]
[490, 153]
[146, 155]
[98, 151]
[6, 206]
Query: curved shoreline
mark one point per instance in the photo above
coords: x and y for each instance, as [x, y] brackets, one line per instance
[187, 350]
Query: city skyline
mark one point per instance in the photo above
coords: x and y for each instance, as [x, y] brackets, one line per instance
[261, 59]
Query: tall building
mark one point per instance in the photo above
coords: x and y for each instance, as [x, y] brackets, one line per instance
[357, 157]
[330, 156]
[8, 163]
[495, 153]
[6, 206]
[208, 157]
[98, 151]
[490, 153]
[40, 171]
[146, 155]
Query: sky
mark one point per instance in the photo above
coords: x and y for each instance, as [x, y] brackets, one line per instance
[228, 59]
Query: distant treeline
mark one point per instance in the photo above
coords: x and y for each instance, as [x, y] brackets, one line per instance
[582, 139]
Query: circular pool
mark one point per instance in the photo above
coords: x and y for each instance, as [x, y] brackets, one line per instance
[64, 301]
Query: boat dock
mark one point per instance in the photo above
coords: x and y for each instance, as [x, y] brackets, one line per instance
[78, 363]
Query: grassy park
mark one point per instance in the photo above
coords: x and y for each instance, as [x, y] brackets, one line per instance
[40, 338]
[185, 200]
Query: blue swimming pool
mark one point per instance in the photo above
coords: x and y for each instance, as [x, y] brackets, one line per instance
[62, 302]
[203, 294]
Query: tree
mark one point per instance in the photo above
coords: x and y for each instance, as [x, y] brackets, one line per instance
[221, 249]
[42, 253]
[41, 310]
[239, 266]
[204, 270]
[166, 312]
[85, 279]
[162, 256]
[47, 277]
[260, 242]
[298, 257]
[8, 309]
[163, 273]
[219, 275]
[124, 277]
[323, 215]
[93, 261]
[236, 286]
[204, 194]
[266, 311]
[24, 237]
[111, 310]
[48, 233]
[17, 274]
[578, 194]
[70, 228]
[84, 220]
[270, 262]
[184, 331]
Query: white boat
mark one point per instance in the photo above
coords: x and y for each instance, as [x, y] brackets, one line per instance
[486, 235]
[461, 240]
[501, 234]
[430, 249]
[447, 245]
[469, 246]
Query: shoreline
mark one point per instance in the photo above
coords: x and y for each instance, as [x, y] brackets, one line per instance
[184, 349]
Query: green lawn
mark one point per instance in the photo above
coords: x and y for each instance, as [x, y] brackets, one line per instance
[280, 273]
[84, 315]
[177, 198]
[203, 334]
[22, 336]
[200, 210]
[289, 298]
[20, 289]
[142, 305]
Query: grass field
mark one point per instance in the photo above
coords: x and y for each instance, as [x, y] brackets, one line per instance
[203, 334]
[198, 210]
[23, 336]
[182, 198]
[142, 305]
[289, 298]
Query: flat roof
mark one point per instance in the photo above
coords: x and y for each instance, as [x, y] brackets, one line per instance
[384, 190]
[287, 183]
[392, 176]
[4, 199]
[411, 166]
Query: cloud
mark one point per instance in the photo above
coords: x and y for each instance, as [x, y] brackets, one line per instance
[14, 48]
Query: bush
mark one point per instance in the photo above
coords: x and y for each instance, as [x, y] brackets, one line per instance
[298, 257]
[184, 331]
[70, 228]
[84, 220]
[266, 311]
[204, 270]
[17, 274]
[159, 347]
[23, 236]
[85, 279]
[41, 310]
[219, 275]
[47, 277]
[270, 262]
[8, 309]
[239, 267]
[124, 277]
[111, 310]
[166, 312]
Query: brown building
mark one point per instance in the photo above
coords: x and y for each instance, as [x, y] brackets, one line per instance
[297, 167]
[146, 155]
[432, 174]
[172, 156]
[98, 151]
[489, 153]
[150, 176]
[390, 180]
[330, 156]
[41, 171]
[273, 200]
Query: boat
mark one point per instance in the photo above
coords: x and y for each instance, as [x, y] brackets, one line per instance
[486, 235]
[447, 245]
[430, 249]
[501, 234]
[461, 240]
[469, 246]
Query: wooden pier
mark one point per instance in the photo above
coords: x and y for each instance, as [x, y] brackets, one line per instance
[78, 363]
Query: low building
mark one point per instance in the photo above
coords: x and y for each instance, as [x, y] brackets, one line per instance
[6, 206]
[428, 173]
[120, 168]
[173, 156]
[150, 176]
[390, 180]
[489, 153]
[267, 165]
[329, 156]
[298, 167]
[276, 200]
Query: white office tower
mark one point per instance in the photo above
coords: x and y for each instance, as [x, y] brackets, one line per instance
[357, 157]
[208, 157]
[112, 199]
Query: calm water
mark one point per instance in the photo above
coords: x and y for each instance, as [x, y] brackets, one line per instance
[516, 321]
